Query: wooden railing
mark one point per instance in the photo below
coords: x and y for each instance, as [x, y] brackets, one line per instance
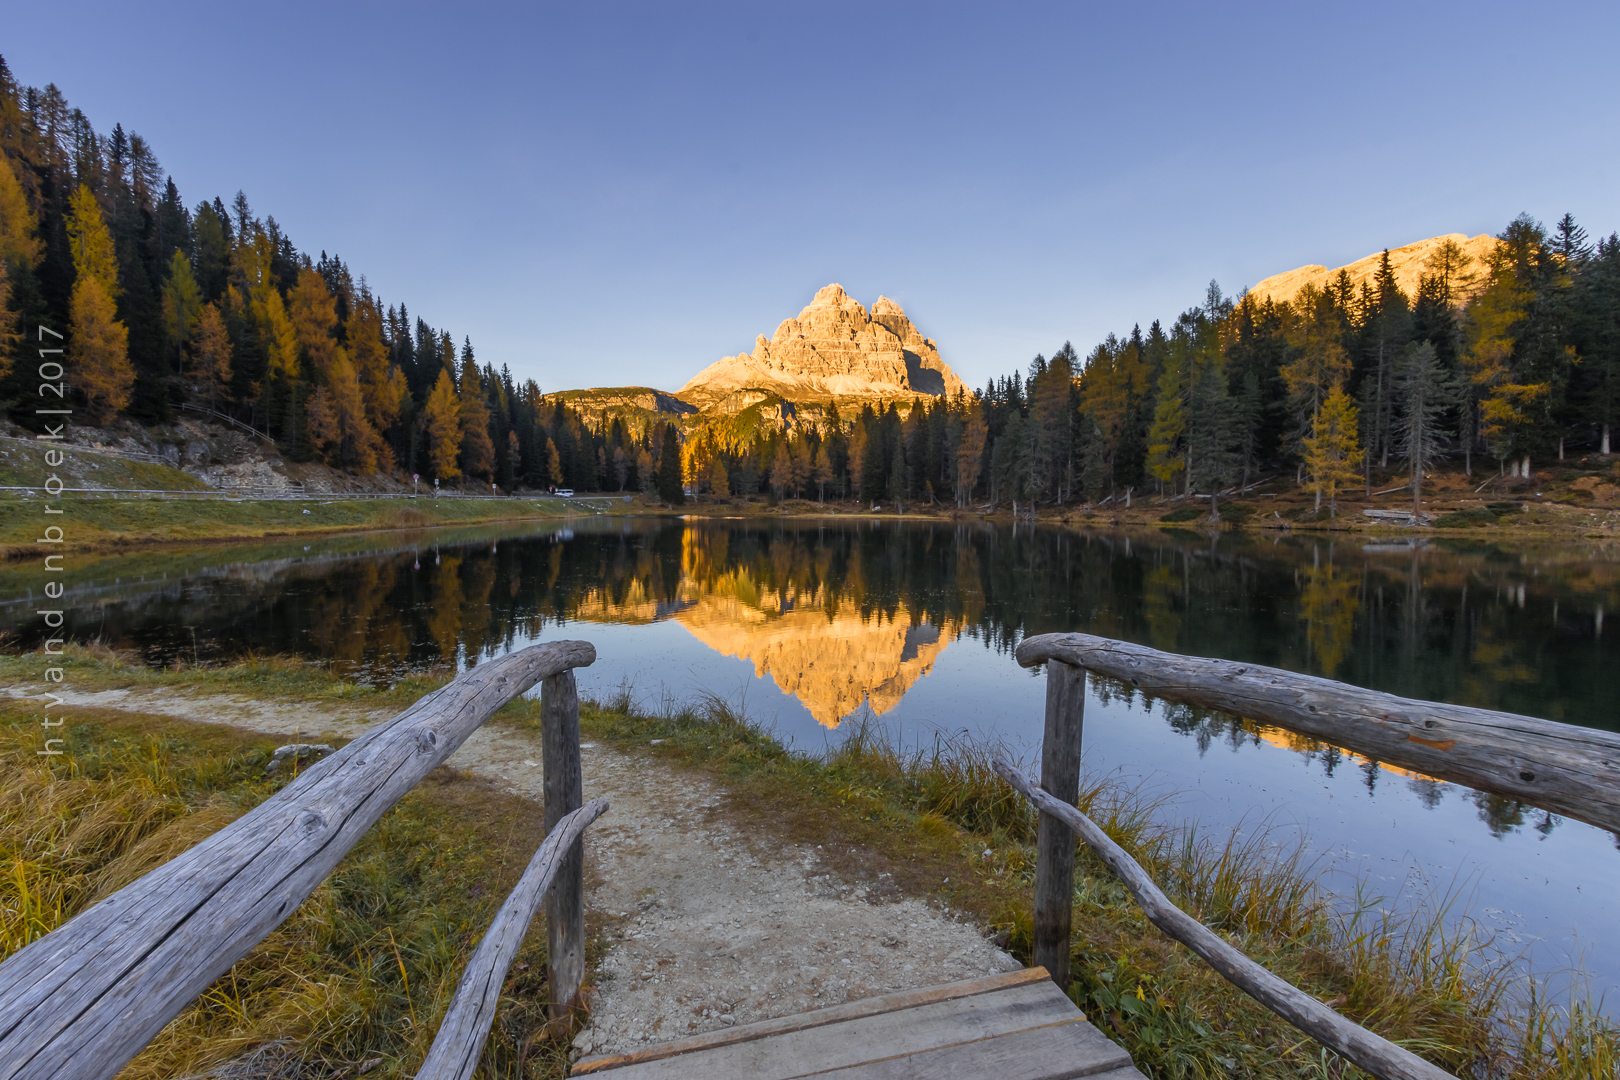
[83, 1000]
[1570, 770]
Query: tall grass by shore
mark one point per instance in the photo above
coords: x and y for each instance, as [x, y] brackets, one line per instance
[932, 822]
[355, 980]
[1423, 979]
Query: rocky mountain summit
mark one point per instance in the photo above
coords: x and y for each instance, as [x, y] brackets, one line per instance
[1408, 262]
[833, 350]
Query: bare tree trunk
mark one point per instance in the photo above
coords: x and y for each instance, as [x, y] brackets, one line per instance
[1605, 450]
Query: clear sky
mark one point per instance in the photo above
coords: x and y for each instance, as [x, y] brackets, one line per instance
[610, 193]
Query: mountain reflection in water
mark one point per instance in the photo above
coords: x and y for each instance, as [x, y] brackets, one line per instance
[913, 625]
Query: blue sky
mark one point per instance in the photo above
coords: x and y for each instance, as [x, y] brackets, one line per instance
[605, 193]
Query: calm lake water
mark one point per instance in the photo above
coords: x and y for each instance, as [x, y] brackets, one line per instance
[809, 627]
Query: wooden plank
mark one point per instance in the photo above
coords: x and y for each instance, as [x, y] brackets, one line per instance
[850, 1010]
[564, 790]
[83, 1000]
[1054, 843]
[851, 1042]
[1071, 1048]
[1560, 767]
[459, 1044]
[1372, 1052]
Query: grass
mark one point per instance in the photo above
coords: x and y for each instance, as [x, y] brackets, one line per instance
[931, 822]
[104, 522]
[1472, 518]
[356, 979]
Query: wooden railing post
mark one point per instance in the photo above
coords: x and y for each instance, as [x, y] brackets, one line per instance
[564, 791]
[1054, 840]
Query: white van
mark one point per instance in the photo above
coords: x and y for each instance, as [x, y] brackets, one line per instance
[565, 493]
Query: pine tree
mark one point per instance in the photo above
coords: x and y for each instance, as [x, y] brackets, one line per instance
[182, 305]
[441, 420]
[970, 452]
[477, 451]
[669, 468]
[1332, 450]
[1166, 450]
[1422, 392]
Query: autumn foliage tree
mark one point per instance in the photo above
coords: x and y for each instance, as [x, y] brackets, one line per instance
[101, 367]
[1333, 449]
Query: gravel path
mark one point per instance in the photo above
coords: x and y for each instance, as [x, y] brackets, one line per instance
[708, 921]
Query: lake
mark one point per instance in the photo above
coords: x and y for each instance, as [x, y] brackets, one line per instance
[811, 627]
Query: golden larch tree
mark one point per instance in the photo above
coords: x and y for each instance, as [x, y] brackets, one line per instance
[210, 353]
[441, 421]
[1332, 449]
[100, 358]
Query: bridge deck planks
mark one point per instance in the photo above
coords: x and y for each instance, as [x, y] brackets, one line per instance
[1011, 1027]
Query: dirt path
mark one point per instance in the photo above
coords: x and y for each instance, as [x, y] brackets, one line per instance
[708, 922]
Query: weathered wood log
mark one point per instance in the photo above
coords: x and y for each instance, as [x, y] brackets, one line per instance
[1355, 1043]
[1054, 842]
[564, 789]
[83, 1000]
[459, 1044]
[1559, 767]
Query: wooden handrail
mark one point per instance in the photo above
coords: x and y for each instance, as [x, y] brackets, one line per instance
[84, 999]
[1567, 769]
[1355, 1043]
[459, 1044]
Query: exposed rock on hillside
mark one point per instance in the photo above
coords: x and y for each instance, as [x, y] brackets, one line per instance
[1408, 263]
[834, 350]
[616, 398]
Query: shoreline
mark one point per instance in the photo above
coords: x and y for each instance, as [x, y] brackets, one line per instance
[946, 833]
[110, 524]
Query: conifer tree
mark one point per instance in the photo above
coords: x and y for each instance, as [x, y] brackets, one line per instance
[100, 341]
[210, 354]
[1422, 392]
[477, 451]
[669, 468]
[441, 422]
[182, 305]
[1332, 450]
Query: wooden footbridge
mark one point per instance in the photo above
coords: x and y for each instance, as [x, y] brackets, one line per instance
[82, 1001]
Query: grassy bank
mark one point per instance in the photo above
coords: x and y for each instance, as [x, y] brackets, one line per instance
[103, 523]
[357, 979]
[936, 825]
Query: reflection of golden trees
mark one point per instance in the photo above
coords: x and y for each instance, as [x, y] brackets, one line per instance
[444, 608]
[1328, 603]
[1161, 590]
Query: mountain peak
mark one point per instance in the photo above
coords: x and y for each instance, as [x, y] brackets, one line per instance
[1407, 262]
[834, 350]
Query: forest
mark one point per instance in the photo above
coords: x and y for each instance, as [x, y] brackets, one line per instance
[212, 309]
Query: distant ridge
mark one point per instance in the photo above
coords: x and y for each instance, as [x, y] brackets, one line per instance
[1408, 262]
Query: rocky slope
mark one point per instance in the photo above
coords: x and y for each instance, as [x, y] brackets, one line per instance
[1408, 263]
[833, 350]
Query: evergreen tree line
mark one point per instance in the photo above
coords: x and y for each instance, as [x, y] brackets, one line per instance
[212, 307]
[1517, 359]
